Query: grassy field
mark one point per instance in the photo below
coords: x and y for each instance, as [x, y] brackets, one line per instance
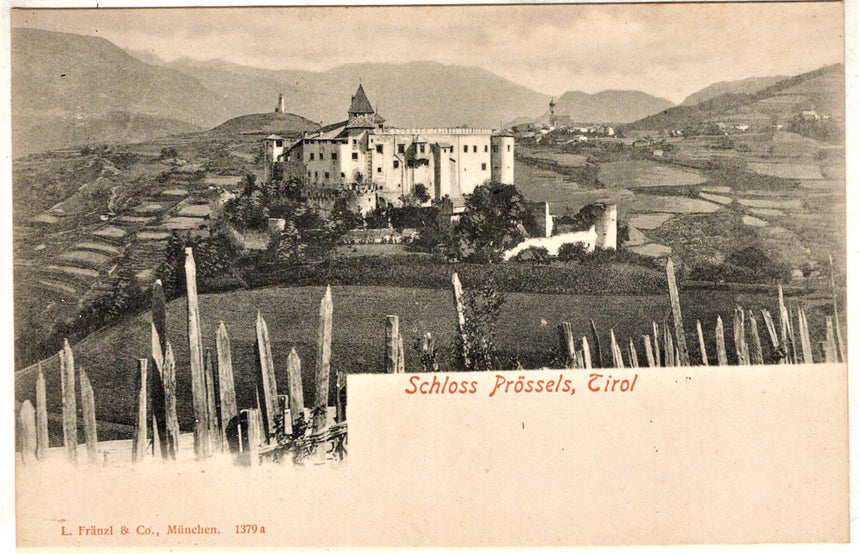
[646, 174]
[527, 330]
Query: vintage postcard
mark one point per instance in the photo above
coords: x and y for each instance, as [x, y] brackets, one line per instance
[511, 275]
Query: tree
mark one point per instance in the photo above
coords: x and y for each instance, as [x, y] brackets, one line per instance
[420, 193]
[481, 308]
[572, 252]
[495, 220]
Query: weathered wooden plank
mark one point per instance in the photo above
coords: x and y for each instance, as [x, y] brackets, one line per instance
[634, 356]
[586, 353]
[392, 343]
[323, 367]
[195, 344]
[836, 318]
[617, 360]
[294, 386]
[266, 385]
[722, 358]
[341, 393]
[803, 331]
[211, 403]
[702, 351]
[598, 355]
[784, 320]
[830, 348]
[170, 419]
[401, 355]
[578, 360]
[649, 352]
[139, 440]
[156, 390]
[675, 301]
[253, 417]
[226, 384]
[792, 338]
[459, 307]
[88, 412]
[756, 354]
[566, 344]
[42, 444]
[741, 347]
[658, 361]
[668, 347]
[773, 338]
[27, 428]
[159, 313]
[70, 408]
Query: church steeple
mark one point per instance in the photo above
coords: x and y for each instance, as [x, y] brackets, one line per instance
[360, 105]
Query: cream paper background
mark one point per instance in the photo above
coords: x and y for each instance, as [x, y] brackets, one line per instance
[730, 455]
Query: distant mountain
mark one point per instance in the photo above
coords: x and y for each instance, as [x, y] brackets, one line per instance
[416, 94]
[822, 90]
[744, 86]
[608, 106]
[58, 78]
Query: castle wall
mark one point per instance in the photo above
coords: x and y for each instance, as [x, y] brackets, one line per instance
[607, 227]
[553, 243]
[502, 158]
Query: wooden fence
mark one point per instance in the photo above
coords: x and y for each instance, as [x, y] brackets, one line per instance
[280, 426]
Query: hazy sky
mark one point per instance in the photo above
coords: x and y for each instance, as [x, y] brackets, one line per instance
[667, 50]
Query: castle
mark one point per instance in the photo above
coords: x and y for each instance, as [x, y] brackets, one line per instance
[382, 165]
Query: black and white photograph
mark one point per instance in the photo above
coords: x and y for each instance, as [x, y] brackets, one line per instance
[284, 244]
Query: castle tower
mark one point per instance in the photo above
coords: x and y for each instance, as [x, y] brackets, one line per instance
[502, 158]
[281, 107]
[606, 226]
[360, 105]
[551, 108]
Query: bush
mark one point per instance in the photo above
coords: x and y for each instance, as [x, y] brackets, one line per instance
[534, 255]
[572, 252]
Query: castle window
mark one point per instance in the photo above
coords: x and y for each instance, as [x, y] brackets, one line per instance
[483, 167]
[485, 148]
[401, 148]
[309, 174]
[312, 156]
[334, 155]
[355, 156]
[465, 148]
[475, 148]
[495, 148]
[326, 174]
[422, 148]
[509, 148]
[342, 175]
[316, 175]
[396, 164]
[379, 169]
[379, 149]
[279, 143]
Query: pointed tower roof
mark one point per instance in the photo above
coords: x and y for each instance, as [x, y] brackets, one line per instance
[360, 104]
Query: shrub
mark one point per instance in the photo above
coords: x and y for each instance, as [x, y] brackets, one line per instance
[572, 252]
[534, 255]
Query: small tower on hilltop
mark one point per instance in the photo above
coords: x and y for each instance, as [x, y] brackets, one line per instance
[281, 107]
[551, 108]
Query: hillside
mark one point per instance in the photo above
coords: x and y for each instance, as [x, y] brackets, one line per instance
[608, 106]
[266, 123]
[743, 86]
[823, 89]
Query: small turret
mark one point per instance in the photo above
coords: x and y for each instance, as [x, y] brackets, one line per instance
[281, 107]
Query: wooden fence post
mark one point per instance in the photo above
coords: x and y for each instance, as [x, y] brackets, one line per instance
[772, 337]
[617, 360]
[830, 348]
[720, 332]
[586, 354]
[88, 411]
[254, 433]
[392, 343]
[157, 404]
[323, 368]
[226, 385]
[634, 356]
[674, 299]
[649, 352]
[70, 408]
[702, 343]
[27, 427]
[598, 355]
[792, 339]
[138, 445]
[838, 331]
[195, 343]
[294, 386]
[756, 356]
[170, 419]
[668, 347]
[212, 403]
[657, 359]
[740, 338]
[266, 383]
[566, 345]
[41, 416]
[803, 330]
[457, 289]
